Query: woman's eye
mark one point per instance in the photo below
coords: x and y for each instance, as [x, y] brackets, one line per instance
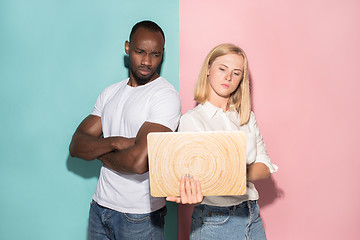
[222, 69]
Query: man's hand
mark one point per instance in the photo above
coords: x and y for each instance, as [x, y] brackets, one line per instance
[134, 158]
[121, 143]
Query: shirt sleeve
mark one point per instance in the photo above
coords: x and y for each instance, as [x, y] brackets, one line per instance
[261, 153]
[100, 101]
[165, 108]
[98, 106]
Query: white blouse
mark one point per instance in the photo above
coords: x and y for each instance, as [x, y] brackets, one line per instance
[207, 117]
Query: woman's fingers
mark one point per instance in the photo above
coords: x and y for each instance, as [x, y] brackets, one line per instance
[190, 191]
[193, 190]
[188, 188]
[199, 196]
[173, 199]
[183, 194]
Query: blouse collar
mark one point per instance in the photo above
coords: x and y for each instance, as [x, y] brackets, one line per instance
[211, 110]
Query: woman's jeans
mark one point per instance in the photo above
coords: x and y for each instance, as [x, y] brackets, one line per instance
[242, 222]
[105, 223]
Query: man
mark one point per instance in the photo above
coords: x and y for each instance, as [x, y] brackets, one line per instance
[116, 133]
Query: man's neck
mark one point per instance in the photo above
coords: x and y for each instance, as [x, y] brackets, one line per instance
[134, 83]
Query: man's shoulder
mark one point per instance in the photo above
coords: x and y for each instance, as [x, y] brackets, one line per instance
[161, 87]
[162, 83]
[114, 87]
[117, 84]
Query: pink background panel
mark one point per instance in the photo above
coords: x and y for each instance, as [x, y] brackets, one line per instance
[304, 58]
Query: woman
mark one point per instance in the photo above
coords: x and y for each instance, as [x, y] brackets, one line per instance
[223, 94]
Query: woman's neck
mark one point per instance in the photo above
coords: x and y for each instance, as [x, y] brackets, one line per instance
[220, 103]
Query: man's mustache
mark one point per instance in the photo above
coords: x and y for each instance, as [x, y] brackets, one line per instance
[144, 67]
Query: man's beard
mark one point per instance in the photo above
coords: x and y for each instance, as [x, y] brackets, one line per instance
[141, 80]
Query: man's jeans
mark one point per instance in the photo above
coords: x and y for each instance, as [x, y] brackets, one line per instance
[108, 224]
[241, 222]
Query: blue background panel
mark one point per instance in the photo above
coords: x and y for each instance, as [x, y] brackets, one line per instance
[55, 59]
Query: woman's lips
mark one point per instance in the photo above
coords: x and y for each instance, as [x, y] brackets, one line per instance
[225, 85]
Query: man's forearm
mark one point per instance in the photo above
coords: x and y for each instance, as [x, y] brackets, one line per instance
[125, 161]
[133, 159]
[89, 147]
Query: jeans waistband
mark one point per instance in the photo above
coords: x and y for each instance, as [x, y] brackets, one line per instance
[246, 204]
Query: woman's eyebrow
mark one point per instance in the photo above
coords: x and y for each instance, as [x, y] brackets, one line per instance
[239, 69]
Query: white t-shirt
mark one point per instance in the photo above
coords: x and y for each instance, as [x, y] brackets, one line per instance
[207, 117]
[123, 110]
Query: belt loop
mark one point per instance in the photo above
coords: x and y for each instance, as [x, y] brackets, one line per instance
[233, 208]
[251, 203]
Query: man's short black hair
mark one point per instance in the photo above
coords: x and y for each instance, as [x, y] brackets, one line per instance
[148, 25]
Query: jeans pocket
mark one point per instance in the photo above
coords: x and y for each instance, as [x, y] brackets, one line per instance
[137, 218]
[215, 215]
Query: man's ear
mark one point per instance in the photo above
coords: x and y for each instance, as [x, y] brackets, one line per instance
[127, 47]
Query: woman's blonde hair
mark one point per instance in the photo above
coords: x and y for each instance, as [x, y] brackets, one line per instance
[240, 98]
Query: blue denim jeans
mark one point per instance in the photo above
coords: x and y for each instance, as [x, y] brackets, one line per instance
[105, 223]
[242, 222]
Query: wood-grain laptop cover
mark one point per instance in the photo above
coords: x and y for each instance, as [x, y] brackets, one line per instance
[216, 159]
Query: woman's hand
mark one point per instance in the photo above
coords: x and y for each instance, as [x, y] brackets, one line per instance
[190, 191]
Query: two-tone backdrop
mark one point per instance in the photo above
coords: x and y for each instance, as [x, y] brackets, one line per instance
[57, 56]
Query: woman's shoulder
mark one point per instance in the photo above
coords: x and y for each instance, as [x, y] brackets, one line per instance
[190, 119]
[252, 120]
[252, 115]
[193, 112]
